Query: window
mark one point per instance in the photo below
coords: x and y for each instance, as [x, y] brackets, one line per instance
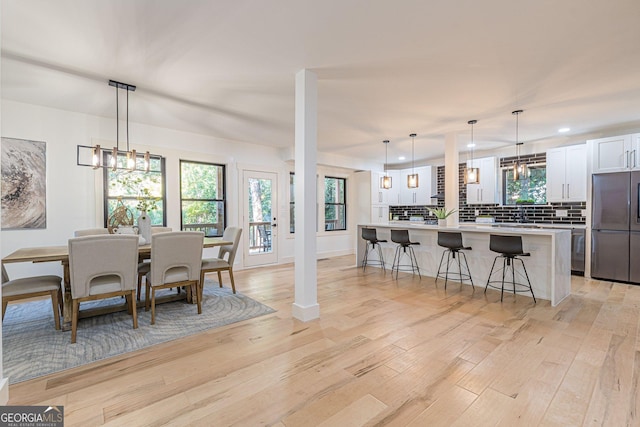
[202, 197]
[136, 190]
[531, 190]
[335, 207]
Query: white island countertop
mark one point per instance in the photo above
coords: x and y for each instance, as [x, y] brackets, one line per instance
[549, 265]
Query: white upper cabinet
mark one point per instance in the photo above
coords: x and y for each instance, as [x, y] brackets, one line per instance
[427, 184]
[379, 195]
[567, 174]
[486, 192]
[393, 194]
[615, 154]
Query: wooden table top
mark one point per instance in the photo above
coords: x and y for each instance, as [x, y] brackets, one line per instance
[61, 253]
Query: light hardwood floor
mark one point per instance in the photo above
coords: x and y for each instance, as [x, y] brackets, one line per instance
[384, 352]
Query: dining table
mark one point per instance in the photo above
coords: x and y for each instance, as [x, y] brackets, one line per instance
[61, 254]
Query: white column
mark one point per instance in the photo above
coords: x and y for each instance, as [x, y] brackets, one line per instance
[451, 181]
[306, 306]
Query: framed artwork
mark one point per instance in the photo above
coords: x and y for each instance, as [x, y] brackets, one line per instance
[24, 184]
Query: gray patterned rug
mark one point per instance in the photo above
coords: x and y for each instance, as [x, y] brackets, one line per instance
[31, 347]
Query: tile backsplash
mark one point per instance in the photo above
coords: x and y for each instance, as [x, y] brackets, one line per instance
[530, 213]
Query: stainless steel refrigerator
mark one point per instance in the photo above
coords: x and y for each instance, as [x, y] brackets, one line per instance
[615, 227]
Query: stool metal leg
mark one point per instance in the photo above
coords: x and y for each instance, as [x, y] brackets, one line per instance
[467, 266]
[490, 273]
[366, 256]
[528, 281]
[381, 257]
[440, 265]
[414, 262]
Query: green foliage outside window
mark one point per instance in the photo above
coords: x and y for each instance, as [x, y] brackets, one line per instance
[137, 190]
[530, 190]
[202, 197]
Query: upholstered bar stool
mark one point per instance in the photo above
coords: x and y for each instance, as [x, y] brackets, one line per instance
[510, 249]
[372, 242]
[453, 242]
[405, 247]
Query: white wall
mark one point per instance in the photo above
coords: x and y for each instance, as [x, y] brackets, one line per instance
[74, 193]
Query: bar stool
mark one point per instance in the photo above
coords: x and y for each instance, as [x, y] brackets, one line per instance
[453, 243]
[371, 241]
[401, 237]
[509, 248]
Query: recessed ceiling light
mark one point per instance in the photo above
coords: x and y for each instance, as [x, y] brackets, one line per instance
[401, 158]
[563, 130]
[471, 145]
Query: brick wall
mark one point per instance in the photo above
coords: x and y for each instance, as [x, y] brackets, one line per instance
[543, 214]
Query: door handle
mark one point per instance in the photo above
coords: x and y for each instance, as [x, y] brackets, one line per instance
[568, 192]
[626, 160]
[562, 191]
[634, 158]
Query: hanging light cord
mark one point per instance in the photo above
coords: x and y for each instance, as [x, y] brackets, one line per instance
[117, 120]
[127, 119]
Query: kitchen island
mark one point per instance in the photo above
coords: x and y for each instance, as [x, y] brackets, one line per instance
[549, 265]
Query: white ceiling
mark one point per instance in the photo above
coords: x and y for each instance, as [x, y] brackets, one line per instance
[385, 68]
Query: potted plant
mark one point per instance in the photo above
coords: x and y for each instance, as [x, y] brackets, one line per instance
[442, 214]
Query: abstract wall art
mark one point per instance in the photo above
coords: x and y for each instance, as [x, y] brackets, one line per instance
[24, 184]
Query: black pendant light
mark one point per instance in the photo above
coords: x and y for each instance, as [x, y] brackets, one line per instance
[412, 180]
[520, 169]
[385, 181]
[472, 174]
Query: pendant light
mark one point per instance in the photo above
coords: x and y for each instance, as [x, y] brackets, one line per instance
[96, 152]
[472, 174]
[520, 169]
[385, 181]
[412, 180]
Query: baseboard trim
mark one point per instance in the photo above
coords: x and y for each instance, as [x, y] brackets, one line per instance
[305, 314]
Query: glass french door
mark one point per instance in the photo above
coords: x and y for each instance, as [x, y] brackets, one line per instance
[259, 221]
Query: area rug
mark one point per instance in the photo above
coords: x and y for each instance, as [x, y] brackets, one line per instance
[31, 347]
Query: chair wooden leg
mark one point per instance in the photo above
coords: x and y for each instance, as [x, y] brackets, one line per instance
[4, 307]
[146, 297]
[74, 320]
[219, 278]
[55, 306]
[61, 302]
[127, 298]
[196, 291]
[201, 285]
[233, 283]
[134, 313]
[139, 286]
[153, 306]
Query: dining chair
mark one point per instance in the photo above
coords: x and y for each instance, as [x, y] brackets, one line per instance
[29, 287]
[219, 264]
[144, 266]
[175, 261]
[102, 267]
[90, 232]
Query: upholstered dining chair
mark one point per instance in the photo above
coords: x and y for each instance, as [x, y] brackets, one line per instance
[103, 267]
[145, 266]
[220, 264]
[175, 261]
[90, 232]
[29, 287]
